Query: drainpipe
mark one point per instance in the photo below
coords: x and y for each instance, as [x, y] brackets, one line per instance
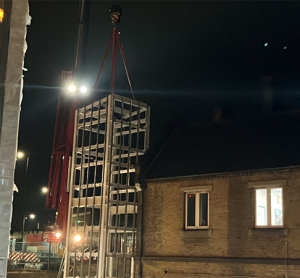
[143, 187]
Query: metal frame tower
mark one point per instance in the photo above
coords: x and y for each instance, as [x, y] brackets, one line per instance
[103, 222]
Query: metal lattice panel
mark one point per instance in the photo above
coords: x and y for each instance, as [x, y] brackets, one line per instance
[109, 136]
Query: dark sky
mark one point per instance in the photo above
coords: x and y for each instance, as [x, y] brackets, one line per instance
[184, 58]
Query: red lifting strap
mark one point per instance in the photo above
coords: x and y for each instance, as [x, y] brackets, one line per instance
[124, 61]
[103, 63]
[115, 36]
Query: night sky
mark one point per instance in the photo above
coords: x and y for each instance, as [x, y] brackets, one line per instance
[185, 59]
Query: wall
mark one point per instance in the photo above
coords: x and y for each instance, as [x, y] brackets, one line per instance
[11, 99]
[232, 247]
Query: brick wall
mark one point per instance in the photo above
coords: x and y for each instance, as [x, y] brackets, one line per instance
[231, 247]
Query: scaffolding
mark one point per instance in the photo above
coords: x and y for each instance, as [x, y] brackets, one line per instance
[103, 222]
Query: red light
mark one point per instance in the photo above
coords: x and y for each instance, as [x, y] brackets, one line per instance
[190, 196]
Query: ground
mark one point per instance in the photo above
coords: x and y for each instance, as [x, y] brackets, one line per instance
[32, 274]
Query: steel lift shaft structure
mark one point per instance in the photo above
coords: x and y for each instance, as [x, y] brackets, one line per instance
[110, 134]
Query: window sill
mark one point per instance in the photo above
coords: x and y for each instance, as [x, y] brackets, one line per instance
[201, 232]
[268, 231]
[197, 229]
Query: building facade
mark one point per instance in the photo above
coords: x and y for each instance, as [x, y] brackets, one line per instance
[238, 224]
[12, 50]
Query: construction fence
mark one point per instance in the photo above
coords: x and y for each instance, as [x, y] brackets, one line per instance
[35, 256]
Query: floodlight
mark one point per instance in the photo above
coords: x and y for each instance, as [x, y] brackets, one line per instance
[83, 89]
[72, 88]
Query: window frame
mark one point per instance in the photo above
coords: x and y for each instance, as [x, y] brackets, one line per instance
[197, 210]
[268, 207]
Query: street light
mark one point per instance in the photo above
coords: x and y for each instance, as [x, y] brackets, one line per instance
[20, 154]
[44, 189]
[31, 216]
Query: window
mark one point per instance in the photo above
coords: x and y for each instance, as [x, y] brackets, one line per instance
[196, 210]
[268, 207]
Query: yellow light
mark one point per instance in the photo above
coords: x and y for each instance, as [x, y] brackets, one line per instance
[44, 189]
[58, 235]
[77, 238]
[72, 88]
[1, 15]
[32, 216]
[20, 154]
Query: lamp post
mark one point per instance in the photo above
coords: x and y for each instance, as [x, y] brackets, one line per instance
[31, 216]
[20, 155]
[24, 218]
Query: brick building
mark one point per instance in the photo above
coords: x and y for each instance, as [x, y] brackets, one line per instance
[227, 207]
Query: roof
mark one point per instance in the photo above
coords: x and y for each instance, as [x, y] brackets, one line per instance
[229, 146]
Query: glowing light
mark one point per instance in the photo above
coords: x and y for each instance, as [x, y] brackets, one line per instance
[32, 216]
[83, 89]
[285, 47]
[72, 88]
[44, 189]
[266, 44]
[20, 154]
[1, 15]
[77, 238]
[58, 235]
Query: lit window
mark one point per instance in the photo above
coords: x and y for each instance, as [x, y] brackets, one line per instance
[268, 207]
[196, 210]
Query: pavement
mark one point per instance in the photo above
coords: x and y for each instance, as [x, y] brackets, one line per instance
[32, 274]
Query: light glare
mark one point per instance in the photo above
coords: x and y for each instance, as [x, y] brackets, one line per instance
[83, 89]
[58, 235]
[72, 88]
[77, 238]
[44, 189]
[32, 216]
